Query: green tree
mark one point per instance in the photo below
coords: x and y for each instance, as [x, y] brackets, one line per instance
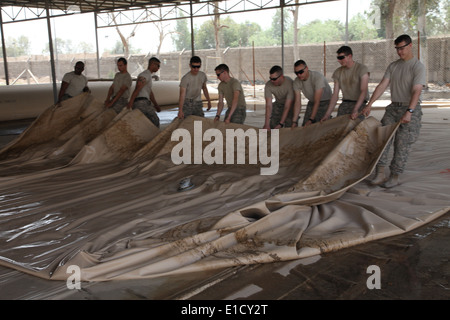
[446, 16]
[85, 47]
[382, 13]
[204, 36]
[16, 47]
[60, 46]
[272, 35]
[118, 48]
[407, 16]
[401, 16]
[276, 24]
[360, 28]
[246, 31]
[318, 31]
[233, 34]
[229, 33]
[437, 14]
[263, 38]
[181, 38]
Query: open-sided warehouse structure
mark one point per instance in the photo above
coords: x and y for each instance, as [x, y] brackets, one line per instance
[92, 205]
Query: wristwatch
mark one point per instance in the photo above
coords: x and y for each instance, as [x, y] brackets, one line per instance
[312, 120]
[281, 124]
[410, 110]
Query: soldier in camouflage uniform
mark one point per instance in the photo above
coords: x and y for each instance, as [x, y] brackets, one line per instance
[406, 77]
[352, 78]
[142, 97]
[191, 86]
[279, 113]
[230, 89]
[119, 91]
[315, 88]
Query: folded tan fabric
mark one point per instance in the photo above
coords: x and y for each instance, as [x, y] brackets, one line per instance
[82, 187]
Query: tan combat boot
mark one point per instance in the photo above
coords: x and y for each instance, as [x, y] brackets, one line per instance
[391, 182]
[380, 176]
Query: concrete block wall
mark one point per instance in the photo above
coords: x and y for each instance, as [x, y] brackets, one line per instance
[246, 63]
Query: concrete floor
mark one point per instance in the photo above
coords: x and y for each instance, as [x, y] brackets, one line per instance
[414, 265]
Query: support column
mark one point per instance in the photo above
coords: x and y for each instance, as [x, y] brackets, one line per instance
[96, 45]
[52, 55]
[5, 62]
[192, 31]
[282, 33]
[346, 23]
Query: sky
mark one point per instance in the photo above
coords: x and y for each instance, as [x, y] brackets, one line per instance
[81, 27]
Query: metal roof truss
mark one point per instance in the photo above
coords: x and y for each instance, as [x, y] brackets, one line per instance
[135, 11]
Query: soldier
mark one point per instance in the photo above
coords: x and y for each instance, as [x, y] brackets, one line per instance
[279, 113]
[191, 85]
[73, 83]
[230, 89]
[406, 77]
[119, 92]
[315, 88]
[353, 79]
[142, 97]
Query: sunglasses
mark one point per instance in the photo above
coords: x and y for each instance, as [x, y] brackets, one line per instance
[400, 48]
[300, 71]
[341, 57]
[275, 79]
[195, 66]
[218, 74]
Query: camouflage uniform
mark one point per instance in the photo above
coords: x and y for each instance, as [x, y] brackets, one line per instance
[227, 89]
[323, 107]
[277, 112]
[120, 80]
[283, 92]
[193, 107]
[309, 87]
[119, 104]
[403, 76]
[349, 81]
[193, 84]
[147, 109]
[406, 135]
[142, 101]
[346, 107]
[238, 115]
